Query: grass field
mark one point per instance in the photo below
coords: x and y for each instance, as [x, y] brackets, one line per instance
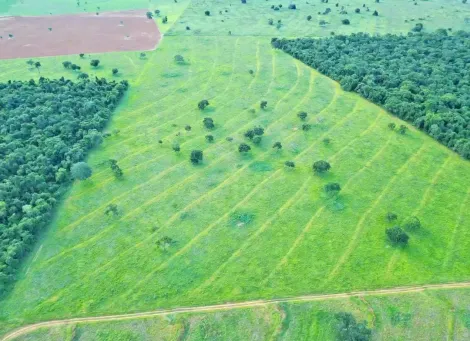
[441, 315]
[245, 226]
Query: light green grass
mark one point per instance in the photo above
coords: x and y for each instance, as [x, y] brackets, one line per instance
[245, 227]
[294, 240]
[441, 315]
[252, 18]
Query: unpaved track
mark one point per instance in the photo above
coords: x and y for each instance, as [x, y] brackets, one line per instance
[227, 306]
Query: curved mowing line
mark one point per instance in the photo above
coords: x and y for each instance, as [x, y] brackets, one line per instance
[210, 227]
[458, 222]
[237, 305]
[258, 66]
[307, 227]
[423, 201]
[228, 180]
[146, 148]
[359, 227]
[291, 201]
[93, 238]
[151, 179]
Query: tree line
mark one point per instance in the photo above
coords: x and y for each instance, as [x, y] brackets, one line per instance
[423, 78]
[46, 127]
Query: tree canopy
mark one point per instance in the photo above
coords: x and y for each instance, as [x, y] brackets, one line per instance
[46, 127]
[423, 78]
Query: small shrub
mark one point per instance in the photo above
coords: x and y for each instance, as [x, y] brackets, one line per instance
[277, 145]
[244, 148]
[397, 236]
[290, 164]
[332, 187]
[302, 115]
[209, 138]
[345, 22]
[321, 166]
[203, 104]
[208, 13]
[391, 216]
[412, 223]
[257, 140]
[263, 104]
[392, 126]
[208, 123]
[196, 157]
[306, 127]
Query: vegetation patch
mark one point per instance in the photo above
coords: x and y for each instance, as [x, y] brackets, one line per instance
[423, 78]
[46, 129]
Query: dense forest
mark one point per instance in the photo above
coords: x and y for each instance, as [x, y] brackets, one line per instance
[423, 78]
[45, 127]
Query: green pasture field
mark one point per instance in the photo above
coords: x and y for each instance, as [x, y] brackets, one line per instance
[244, 226]
[441, 315]
[251, 19]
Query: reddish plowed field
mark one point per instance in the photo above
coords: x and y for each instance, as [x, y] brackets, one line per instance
[74, 34]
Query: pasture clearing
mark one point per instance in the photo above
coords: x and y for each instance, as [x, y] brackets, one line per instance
[290, 242]
[245, 227]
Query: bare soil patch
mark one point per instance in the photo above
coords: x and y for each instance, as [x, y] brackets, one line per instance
[25, 37]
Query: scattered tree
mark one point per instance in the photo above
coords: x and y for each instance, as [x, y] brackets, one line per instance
[357, 10]
[149, 15]
[95, 63]
[397, 236]
[250, 134]
[332, 188]
[292, 6]
[345, 22]
[115, 71]
[196, 157]
[111, 209]
[306, 127]
[203, 104]
[176, 147]
[258, 131]
[67, 64]
[142, 55]
[402, 130]
[117, 171]
[165, 19]
[244, 148]
[165, 243]
[418, 27]
[302, 115]
[277, 145]
[309, 17]
[375, 14]
[187, 127]
[349, 329]
[82, 55]
[326, 141]
[37, 65]
[208, 13]
[179, 59]
[209, 138]
[321, 166]
[30, 62]
[263, 104]
[81, 171]
[270, 21]
[257, 140]
[83, 75]
[391, 216]
[392, 126]
[208, 123]
[157, 12]
[412, 224]
[290, 164]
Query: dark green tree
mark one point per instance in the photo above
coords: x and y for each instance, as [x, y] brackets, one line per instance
[412, 223]
[290, 164]
[115, 71]
[95, 62]
[332, 187]
[244, 148]
[149, 15]
[277, 145]
[397, 236]
[302, 115]
[263, 104]
[348, 329]
[196, 157]
[209, 138]
[321, 166]
[208, 123]
[81, 171]
[203, 104]
[391, 216]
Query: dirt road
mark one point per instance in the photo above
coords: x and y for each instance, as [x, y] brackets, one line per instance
[247, 304]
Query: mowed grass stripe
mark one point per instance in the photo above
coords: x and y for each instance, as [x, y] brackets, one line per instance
[93, 240]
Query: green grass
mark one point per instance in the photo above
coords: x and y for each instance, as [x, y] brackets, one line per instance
[290, 242]
[245, 227]
[398, 16]
[440, 315]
